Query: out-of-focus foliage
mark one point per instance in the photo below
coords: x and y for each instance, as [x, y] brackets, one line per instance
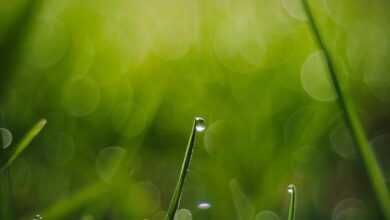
[120, 82]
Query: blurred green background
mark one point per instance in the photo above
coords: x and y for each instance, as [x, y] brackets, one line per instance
[120, 82]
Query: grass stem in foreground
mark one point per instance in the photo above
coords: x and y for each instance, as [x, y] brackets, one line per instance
[197, 126]
[26, 140]
[352, 122]
[292, 205]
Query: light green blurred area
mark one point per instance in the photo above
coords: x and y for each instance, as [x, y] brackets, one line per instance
[121, 81]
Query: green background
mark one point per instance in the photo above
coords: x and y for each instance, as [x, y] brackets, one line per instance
[121, 81]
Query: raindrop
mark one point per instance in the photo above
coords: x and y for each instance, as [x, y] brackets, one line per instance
[200, 124]
[37, 217]
[183, 214]
[291, 189]
[267, 215]
[108, 161]
[204, 205]
[315, 79]
[5, 138]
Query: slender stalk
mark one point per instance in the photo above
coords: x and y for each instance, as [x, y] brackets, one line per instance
[291, 209]
[353, 123]
[176, 197]
[26, 140]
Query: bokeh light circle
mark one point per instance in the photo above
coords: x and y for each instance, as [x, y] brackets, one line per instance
[81, 96]
[267, 215]
[315, 78]
[108, 161]
[5, 138]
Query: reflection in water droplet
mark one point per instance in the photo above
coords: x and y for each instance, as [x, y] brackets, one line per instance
[294, 8]
[204, 205]
[267, 215]
[183, 214]
[37, 217]
[5, 138]
[108, 161]
[200, 124]
[315, 78]
[291, 188]
[81, 96]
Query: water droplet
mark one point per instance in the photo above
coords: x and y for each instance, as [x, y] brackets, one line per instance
[5, 138]
[204, 205]
[183, 214]
[315, 78]
[108, 161]
[200, 124]
[291, 188]
[267, 215]
[37, 217]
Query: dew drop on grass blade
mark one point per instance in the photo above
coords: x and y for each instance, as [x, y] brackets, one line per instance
[291, 209]
[198, 126]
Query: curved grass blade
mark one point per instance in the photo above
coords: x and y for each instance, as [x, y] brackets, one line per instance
[26, 140]
[293, 194]
[352, 122]
[198, 125]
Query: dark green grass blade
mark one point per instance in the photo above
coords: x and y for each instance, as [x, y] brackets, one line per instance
[26, 140]
[353, 123]
[292, 204]
[175, 200]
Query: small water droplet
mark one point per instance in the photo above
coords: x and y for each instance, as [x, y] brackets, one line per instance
[37, 217]
[204, 205]
[5, 138]
[291, 188]
[200, 124]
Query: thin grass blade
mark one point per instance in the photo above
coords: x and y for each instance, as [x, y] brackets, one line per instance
[26, 140]
[352, 121]
[198, 125]
[292, 205]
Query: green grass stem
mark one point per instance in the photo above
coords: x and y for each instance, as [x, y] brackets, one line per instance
[175, 200]
[23, 144]
[352, 122]
[292, 204]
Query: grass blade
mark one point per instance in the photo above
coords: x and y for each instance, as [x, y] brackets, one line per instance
[293, 194]
[352, 122]
[26, 140]
[198, 125]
